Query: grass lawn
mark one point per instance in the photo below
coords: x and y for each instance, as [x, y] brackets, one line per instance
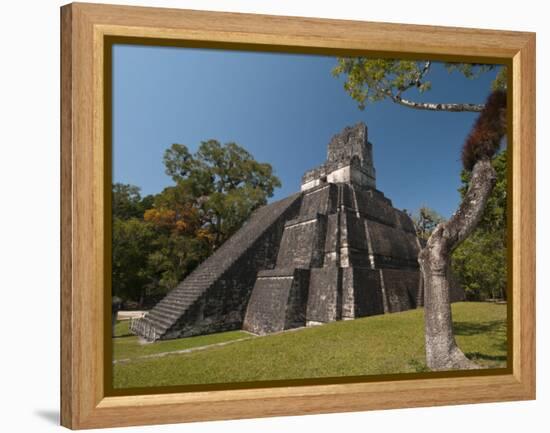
[392, 343]
[127, 346]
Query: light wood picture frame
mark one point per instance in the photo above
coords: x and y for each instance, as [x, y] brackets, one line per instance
[85, 312]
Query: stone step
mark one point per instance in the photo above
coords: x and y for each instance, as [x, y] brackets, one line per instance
[183, 299]
[159, 313]
[194, 285]
[170, 309]
[189, 291]
[177, 300]
[164, 315]
[207, 279]
[187, 295]
[180, 293]
[181, 302]
[145, 327]
[160, 323]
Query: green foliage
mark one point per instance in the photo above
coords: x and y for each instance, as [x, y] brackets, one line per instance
[384, 344]
[174, 256]
[425, 221]
[127, 201]
[469, 70]
[501, 80]
[372, 80]
[479, 263]
[217, 168]
[158, 240]
[225, 184]
[132, 244]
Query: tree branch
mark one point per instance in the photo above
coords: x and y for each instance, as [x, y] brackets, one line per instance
[470, 211]
[426, 68]
[431, 106]
[417, 81]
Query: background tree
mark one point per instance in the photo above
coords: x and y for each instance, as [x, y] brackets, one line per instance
[158, 240]
[127, 201]
[225, 184]
[425, 221]
[181, 240]
[131, 273]
[479, 263]
[372, 80]
[132, 243]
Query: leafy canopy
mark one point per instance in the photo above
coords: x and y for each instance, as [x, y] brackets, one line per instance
[127, 201]
[223, 183]
[219, 168]
[372, 80]
[158, 240]
[132, 244]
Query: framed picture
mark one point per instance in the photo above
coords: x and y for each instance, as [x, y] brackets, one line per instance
[267, 216]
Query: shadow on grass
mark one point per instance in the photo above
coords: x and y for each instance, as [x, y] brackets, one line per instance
[479, 355]
[502, 346]
[468, 328]
[495, 329]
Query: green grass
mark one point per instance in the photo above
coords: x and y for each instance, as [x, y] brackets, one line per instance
[122, 328]
[127, 346]
[383, 344]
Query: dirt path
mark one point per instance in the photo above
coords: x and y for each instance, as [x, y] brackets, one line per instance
[182, 351]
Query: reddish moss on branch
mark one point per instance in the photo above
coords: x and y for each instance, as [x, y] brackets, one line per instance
[489, 128]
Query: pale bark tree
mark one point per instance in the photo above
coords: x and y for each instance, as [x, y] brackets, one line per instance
[442, 352]
[371, 80]
[434, 106]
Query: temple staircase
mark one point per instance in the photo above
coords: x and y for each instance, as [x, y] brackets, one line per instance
[158, 322]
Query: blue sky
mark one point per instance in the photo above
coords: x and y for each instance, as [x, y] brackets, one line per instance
[283, 108]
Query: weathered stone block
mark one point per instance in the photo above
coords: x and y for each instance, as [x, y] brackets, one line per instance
[278, 301]
[325, 295]
[401, 288]
[405, 222]
[393, 247]
[322, 200]
[351, 147]
[356, 235]
[349, 160]
[332, 241]
[302, 243]
[361, 293]
[373, 205]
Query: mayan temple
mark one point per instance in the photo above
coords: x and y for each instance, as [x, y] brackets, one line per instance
[337, 250]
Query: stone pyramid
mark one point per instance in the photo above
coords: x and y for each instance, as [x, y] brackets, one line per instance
[336, 250]
[349, 253]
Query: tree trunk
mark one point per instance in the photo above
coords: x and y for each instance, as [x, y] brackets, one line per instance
[442, 352]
